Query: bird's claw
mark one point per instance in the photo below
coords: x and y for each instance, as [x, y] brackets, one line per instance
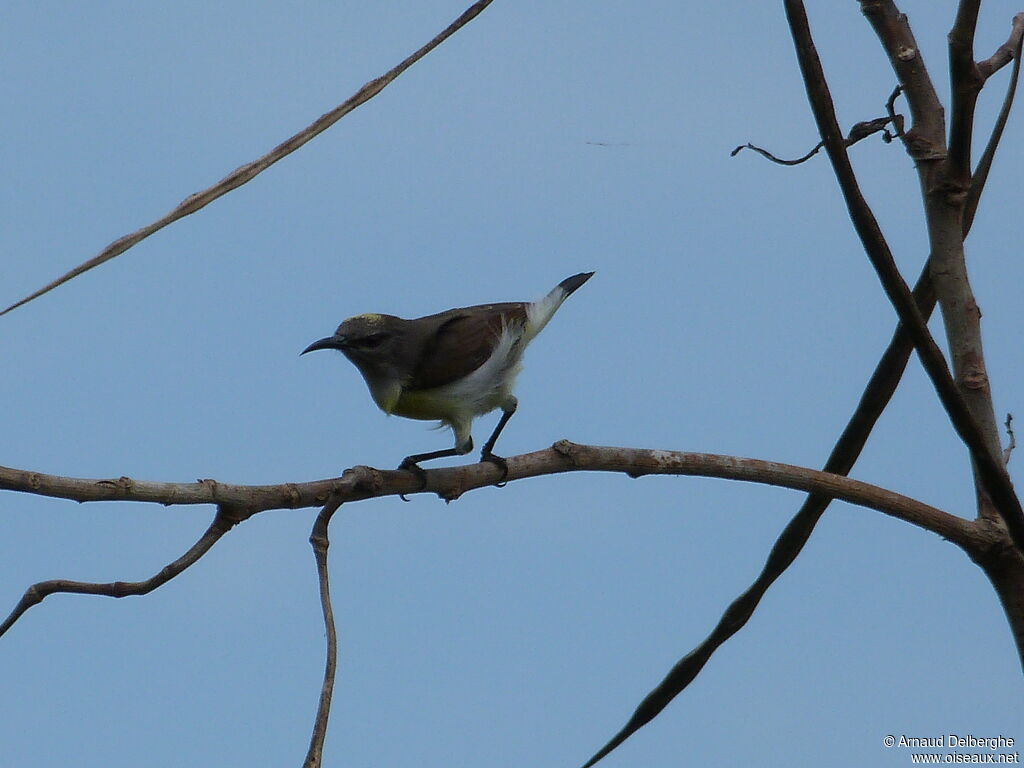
[499, 462]
[415, 469]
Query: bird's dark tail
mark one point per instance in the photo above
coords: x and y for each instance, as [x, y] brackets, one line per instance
[539, 312]
[570, 284]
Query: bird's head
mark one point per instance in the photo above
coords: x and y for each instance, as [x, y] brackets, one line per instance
[374, 343]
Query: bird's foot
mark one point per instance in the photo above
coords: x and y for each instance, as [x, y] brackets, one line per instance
[411, 466]
[500, 463]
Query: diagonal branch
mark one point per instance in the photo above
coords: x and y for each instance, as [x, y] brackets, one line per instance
[791, 541]
[1013, 48]
[1006, 52]
[990, 469]
[946, 185]
[249, 171]
[225, 519]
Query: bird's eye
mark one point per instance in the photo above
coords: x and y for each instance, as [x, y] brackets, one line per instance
[372, 341]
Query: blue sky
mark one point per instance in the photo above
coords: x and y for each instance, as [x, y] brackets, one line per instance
[733, 311]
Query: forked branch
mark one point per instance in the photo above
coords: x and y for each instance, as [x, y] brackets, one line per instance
[449, 483]
[990, 467]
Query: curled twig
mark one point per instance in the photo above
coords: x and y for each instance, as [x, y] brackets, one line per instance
[895, 119]
[857, 133]
[779, 160]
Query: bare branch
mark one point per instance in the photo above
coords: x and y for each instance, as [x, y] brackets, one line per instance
[965, 84]
[859, 131]
[1006, 52]
[985, 163]
[926, 138]
[449, 483]
[875, 398]
[225, 519]
[991, 471]
[320, 542]
[890, 110]
[779, 160]
[249, 171]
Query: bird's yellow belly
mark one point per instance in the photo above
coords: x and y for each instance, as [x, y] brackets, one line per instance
[427, 405]
[445, 405]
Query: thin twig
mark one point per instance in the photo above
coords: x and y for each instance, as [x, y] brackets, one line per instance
[897, 120]
[985, 163]
[320, 542]
[1005, 52]
[249, 171]
[225, 519]
[1012, 439]
[779, 160]
[859, 131]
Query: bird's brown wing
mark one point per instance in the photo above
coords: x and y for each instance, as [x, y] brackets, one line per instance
[462, 342]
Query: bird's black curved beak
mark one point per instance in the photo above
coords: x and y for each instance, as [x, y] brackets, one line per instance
[331, 342]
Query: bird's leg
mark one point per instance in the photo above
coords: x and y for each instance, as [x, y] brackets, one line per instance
[486, 454]
[412, 463]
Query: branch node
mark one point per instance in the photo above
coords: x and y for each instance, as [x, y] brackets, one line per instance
[123, 485]
[567, 449]
[361, 480]
[906, 53]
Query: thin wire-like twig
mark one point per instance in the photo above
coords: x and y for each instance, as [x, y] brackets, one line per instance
[225, 519]
[1011, 438]
[780, 161]
[859, 131]
[320, 542]
[249, 171]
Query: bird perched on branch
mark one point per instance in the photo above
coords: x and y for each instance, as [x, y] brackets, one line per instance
[452, 366]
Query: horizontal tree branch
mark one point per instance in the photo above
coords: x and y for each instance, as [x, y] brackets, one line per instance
[239, 502]
[449, 483]
[249, 171]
